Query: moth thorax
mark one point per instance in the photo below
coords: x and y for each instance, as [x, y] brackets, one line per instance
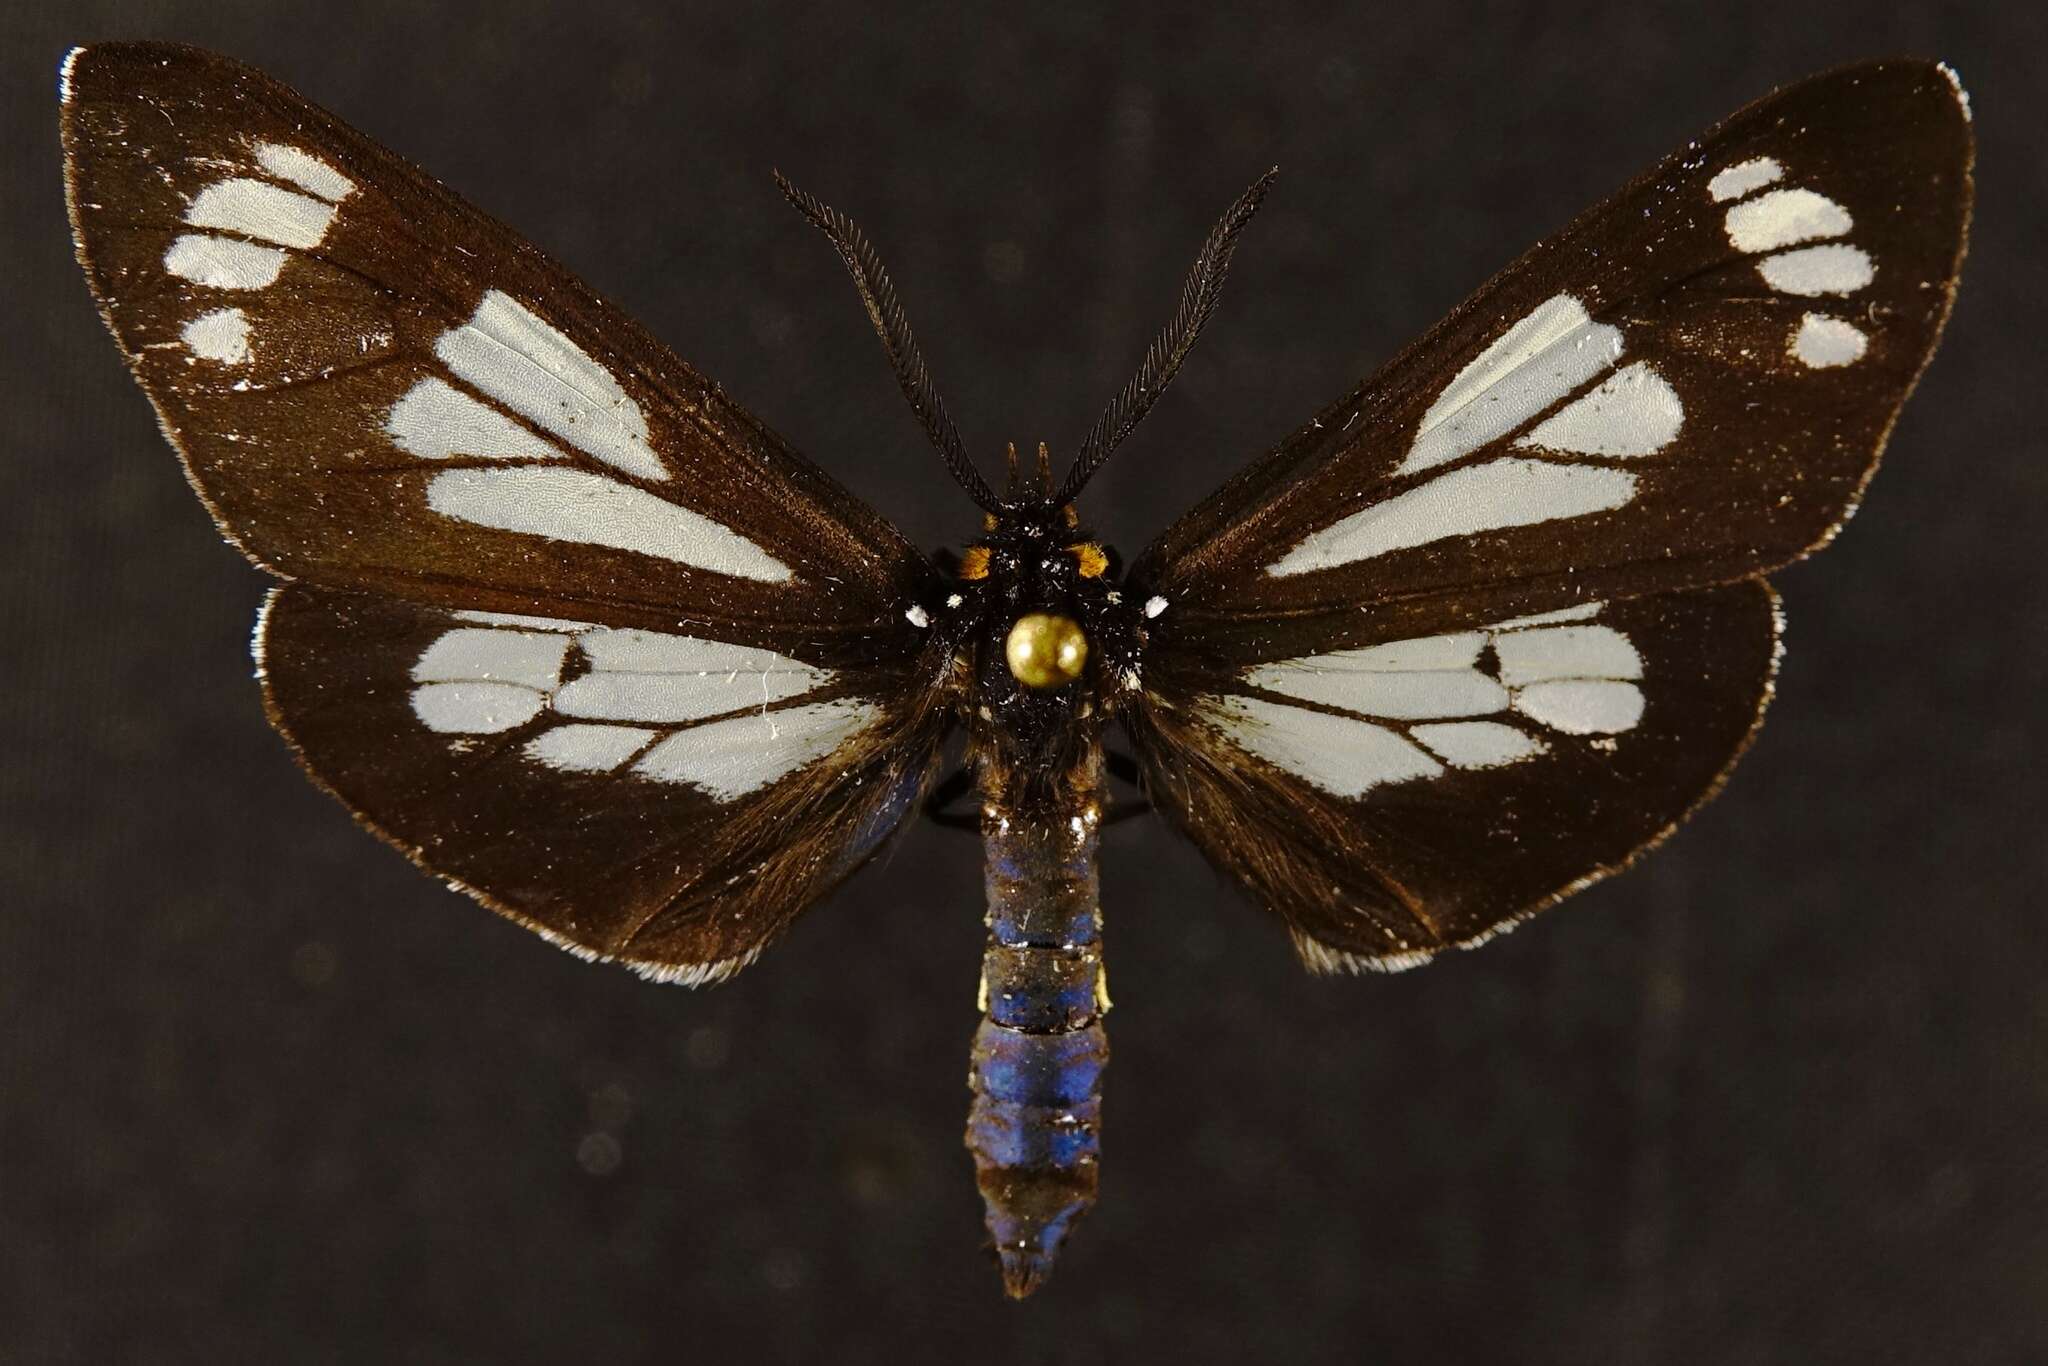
[1046, 650]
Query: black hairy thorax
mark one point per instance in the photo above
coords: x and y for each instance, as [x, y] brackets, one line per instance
[1042, 637]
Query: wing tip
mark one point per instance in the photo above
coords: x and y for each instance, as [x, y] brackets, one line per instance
[1955, 83]
[64, 73]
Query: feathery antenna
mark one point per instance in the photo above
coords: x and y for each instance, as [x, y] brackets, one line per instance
[1197, 301]
[886, 313]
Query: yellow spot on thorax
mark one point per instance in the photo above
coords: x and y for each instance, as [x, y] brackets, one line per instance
[1045, 650]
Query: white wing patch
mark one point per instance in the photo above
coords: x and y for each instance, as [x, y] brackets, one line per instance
[1823, 343]
[1416, 708]
[1744, 177]
[436, 420]
[1546, 357]
[529, 370]
[677, 709]
[1490, 496]
[304, 170]
[1534, 363]
[1632, 412]
[510, 354]
[742, 754]
[1773, 226]
[576, 505]
[222, 335]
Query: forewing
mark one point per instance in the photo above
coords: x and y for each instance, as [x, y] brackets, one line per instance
[1395, 800]
[664, 800]
[376, 386]
[1688, 385]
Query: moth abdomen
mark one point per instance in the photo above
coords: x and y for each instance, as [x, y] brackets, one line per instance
[1040, 1050]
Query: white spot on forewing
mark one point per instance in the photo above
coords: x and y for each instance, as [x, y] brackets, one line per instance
[1154, 606]
[588, 749]
[1836, 268]
[1585, 611]
[515, 619]
[917, 616]
[1533, 364]
[259, 209]
[1498, 494]
[1582, 706]
[1342, 756]
[743, 754]
[1782, 217]
[1566, 652]
[475, 708]
[304, 170]
[1823, 343]
[222, 335]
[1478, 744]
[436, 420]
[482, 654]
[1632, 412]
[222, 262]
[589, 509]
[524, 363]
[1744, 177]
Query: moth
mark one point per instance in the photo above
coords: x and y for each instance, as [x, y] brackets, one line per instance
[585, 639]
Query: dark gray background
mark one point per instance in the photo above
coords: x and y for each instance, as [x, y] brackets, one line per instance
[1779, 1095]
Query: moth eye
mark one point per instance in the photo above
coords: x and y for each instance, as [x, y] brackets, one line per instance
[1090, 558]
[974, 562]
[1045, 650]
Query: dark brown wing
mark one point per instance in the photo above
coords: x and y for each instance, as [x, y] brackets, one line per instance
[664, 801]
[375, 385]
[1690, 384]
[568, 626]
[1393, 801]
[1343, 698]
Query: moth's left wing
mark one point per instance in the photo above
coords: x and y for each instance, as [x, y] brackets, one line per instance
[1394, 800]
[1689, 384]
[1490, 625]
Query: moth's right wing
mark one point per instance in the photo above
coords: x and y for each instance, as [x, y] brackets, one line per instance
[666, 801]
[565, 624]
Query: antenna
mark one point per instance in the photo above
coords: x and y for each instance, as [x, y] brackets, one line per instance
[1197, 301]
[886, 313]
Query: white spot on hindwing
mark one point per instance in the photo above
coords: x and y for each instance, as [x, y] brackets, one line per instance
[1404, 710]
[679, 709]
